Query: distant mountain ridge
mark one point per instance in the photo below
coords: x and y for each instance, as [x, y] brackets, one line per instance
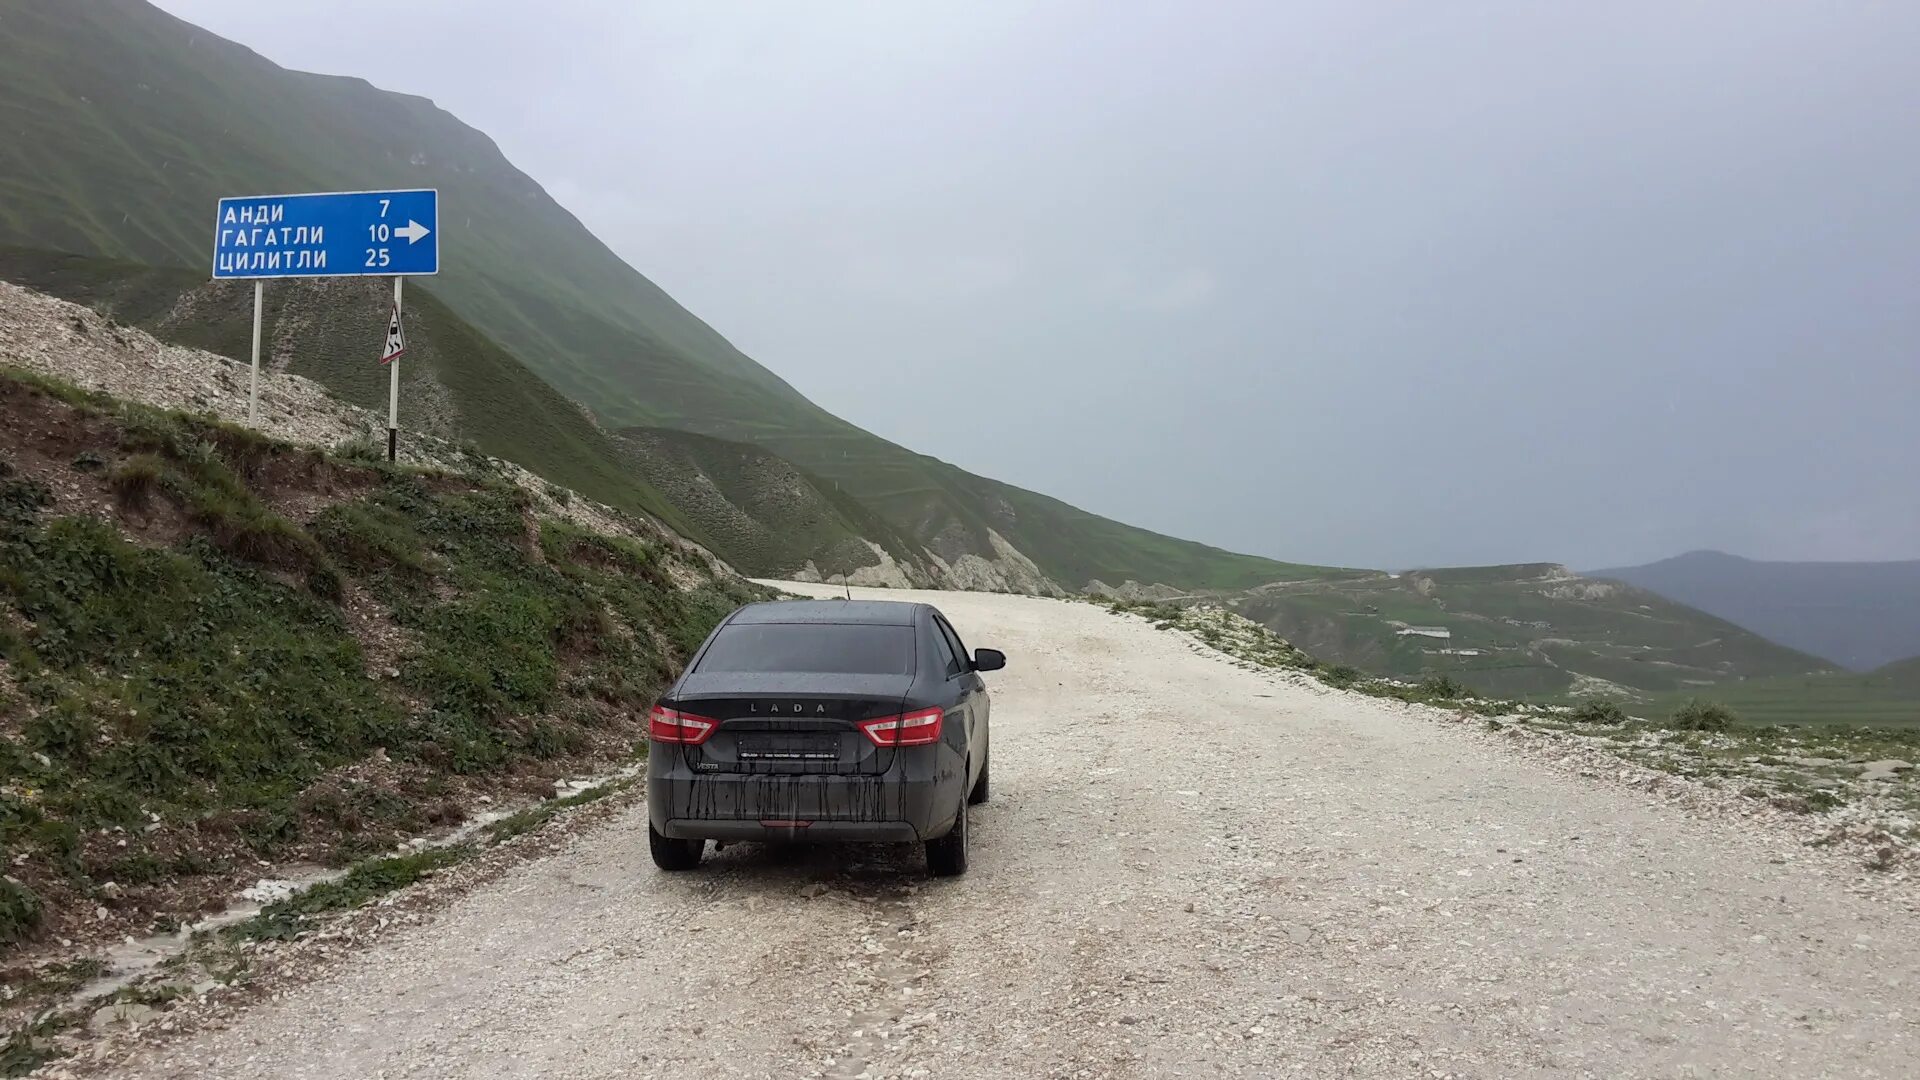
[1860, 615]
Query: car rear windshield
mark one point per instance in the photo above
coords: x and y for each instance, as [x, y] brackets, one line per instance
[824, 648]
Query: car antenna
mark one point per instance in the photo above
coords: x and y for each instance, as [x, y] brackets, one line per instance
[847, 587]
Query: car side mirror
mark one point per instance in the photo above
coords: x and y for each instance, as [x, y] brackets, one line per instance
[989, 659]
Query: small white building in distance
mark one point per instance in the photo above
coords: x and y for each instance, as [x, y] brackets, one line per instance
[1439, 632]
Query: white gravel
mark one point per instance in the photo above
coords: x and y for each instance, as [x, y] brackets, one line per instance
[68, 341]
[1187, 869]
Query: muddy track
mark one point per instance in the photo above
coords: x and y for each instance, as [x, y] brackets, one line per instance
[1187, 869]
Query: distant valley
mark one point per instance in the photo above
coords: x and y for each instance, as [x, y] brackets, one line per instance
[1859, 615]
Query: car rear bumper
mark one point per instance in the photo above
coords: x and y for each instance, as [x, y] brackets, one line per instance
[890, 807]
[820, 832]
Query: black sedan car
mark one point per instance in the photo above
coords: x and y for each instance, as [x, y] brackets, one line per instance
[822, 720]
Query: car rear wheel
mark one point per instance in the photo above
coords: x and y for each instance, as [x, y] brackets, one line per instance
[674, 854]
[947, 856]
[980, 790]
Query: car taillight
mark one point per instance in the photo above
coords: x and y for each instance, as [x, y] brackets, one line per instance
[910, 729]
[674, 726]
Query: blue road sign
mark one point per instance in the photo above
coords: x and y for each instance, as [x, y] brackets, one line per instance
[332, 234]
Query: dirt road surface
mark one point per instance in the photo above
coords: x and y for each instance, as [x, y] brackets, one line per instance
[1187, 869]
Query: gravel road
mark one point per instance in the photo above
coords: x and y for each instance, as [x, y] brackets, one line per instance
[1187, 869]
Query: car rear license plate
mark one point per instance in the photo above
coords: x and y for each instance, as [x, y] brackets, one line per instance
[772, 746]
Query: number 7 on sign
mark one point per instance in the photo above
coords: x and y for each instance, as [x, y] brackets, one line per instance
[384, 203]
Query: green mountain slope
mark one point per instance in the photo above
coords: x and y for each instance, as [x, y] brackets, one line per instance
[1532, 630]
[125, 124]
[768, 516]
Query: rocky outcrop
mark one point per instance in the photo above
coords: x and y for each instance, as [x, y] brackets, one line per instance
[1009, 570]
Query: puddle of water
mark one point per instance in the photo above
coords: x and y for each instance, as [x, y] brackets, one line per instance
[134, 958]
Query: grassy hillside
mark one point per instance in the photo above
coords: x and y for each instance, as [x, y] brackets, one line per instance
[125, 124]
[1860, 615]
[1534, 631]
[454, 381]
[216, 649]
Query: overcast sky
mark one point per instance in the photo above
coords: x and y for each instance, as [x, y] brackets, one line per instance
[1360, 283]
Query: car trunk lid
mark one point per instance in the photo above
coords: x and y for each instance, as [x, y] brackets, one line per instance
[791, 724]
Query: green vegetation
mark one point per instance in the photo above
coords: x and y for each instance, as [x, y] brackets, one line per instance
[368, 880]
[180, 682]
[19, 911]
[207, 699]
[1821, 800]
[1598, 713]
[1802, 769]
[1699, 715]
[30, 1047]
[534, 817]
[1219, 629]
[1440, 693]
[1340, 676]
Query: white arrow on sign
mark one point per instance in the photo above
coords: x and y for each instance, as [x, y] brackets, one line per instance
[414, 232]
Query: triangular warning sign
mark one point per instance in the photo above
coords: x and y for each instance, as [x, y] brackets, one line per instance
[396, 340]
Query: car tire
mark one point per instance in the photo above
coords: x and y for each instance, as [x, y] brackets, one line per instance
[981, 789]
[670, 853]
[947, 856]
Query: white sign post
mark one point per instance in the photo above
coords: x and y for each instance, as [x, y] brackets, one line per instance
[253, 382]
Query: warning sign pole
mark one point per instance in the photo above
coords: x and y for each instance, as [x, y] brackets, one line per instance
[393, 382]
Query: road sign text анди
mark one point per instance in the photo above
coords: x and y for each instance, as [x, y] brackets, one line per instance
[336, 234]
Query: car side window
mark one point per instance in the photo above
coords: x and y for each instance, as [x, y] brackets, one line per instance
[945, 647]
[953, 645]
